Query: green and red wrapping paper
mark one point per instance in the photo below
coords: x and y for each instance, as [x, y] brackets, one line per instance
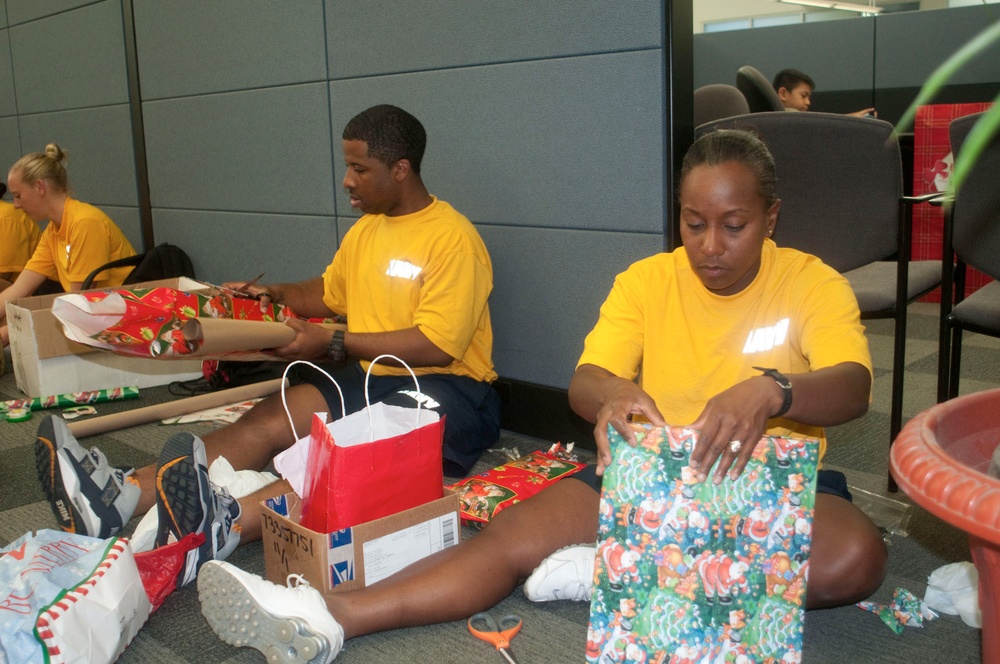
[156, 323]
[693, 572]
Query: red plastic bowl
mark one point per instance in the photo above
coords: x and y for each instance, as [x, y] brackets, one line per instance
[940, 459]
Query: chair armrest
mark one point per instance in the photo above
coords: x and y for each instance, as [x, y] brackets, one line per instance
[121, 262]
[936, 198]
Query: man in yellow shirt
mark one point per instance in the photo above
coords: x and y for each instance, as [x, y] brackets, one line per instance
[412, 276]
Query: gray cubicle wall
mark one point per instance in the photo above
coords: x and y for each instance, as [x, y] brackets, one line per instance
[64, 82]
[545, 124]
[859, 62]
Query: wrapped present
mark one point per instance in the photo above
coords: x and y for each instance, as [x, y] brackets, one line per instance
[698, 572]
[166, 323]
[482, 496]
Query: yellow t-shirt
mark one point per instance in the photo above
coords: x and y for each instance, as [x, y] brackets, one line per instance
[688, 344]
[18, 238]
[85, 240]
[429, 270]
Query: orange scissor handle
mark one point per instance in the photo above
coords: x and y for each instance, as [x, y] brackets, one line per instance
[483, 626]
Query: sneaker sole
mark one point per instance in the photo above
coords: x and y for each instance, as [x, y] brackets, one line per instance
[183, 504]
[49, 472]
[236, 618]
[59, 487]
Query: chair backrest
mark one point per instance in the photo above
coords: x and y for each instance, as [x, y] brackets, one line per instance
[759, 93]
[717, 101]
[840, 181]
[164, 261]
[976, 214]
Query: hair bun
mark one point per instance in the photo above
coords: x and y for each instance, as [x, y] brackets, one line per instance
[55, 152]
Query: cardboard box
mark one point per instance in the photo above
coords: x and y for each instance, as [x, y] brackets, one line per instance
[46, 362]
[359, 556]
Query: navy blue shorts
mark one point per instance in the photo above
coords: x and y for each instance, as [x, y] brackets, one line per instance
[472, 407]
[827, 481]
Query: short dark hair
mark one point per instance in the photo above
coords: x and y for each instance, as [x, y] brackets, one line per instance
[790, 79]
[391, 134]
[725, 145]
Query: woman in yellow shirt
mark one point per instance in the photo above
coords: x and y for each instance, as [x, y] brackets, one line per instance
[18, 238]
[79, 238]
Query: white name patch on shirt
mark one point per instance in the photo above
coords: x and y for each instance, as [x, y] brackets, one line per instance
[766, 338]
[404, 269]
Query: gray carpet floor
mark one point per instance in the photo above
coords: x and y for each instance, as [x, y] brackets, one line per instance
[555, 632]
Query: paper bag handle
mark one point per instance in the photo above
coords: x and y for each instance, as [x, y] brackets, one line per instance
[284, 400]
[368, 403]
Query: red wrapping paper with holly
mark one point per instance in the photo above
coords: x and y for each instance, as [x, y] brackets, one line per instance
[480, 497]
[165, 323]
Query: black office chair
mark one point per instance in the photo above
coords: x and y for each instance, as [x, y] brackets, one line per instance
[758, 91]
[717, 101]
[972, 237]
[840, 181]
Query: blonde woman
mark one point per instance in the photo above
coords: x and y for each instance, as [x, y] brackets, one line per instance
[78, 239]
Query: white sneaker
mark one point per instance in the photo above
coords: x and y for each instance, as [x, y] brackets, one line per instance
[566, 574]
[289, 625]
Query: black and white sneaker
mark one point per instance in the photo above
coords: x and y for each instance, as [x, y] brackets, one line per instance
[187, 502]
[88, 496]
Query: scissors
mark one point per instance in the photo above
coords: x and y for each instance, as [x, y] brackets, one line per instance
[240, 291]
[484, 626]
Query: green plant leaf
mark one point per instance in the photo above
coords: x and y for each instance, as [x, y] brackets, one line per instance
[940, 76]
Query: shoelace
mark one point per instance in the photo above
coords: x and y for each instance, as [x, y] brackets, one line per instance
[98, 460]
[300, 581]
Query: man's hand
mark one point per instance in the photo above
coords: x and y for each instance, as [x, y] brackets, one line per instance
[263, 294]
[310, 342]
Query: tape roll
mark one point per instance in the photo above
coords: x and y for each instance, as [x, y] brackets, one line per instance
[18, 414]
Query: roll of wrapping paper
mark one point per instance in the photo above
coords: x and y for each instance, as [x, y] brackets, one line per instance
[217, 337]
[131, 418]
[73, 399]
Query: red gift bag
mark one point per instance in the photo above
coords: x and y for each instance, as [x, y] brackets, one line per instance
[378, 461]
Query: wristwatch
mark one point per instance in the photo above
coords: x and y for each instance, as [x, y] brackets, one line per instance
[784, 384]
[337, 351]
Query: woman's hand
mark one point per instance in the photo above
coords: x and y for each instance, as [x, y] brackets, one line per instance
[730, 426]
[603, 398]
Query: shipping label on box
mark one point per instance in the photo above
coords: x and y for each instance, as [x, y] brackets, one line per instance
[358, 556]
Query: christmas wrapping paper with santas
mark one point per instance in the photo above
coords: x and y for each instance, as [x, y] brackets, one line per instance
[693, 572]
[151, 323]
